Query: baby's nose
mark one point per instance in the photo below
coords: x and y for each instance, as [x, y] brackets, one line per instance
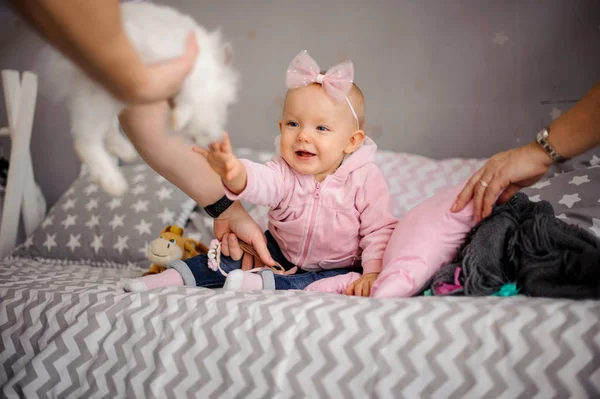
[302, 136]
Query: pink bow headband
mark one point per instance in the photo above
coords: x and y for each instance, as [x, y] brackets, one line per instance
[336, 82]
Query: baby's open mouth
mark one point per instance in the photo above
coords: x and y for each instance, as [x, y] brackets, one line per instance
[304, 154]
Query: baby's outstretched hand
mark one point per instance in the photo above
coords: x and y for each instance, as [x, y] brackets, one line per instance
[362, 286]
[220, 157]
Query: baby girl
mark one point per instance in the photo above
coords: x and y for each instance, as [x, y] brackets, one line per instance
[330, 210]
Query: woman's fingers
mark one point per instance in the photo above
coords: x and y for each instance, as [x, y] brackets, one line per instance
[496, 186]
[235, 251]
[479, 191]
[259, 242]
[225, 245]
[463, 198]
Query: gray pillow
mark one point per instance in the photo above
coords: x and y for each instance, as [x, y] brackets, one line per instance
[87, 226]
[575, 196]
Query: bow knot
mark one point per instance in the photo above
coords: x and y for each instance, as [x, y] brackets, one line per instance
[336, 82]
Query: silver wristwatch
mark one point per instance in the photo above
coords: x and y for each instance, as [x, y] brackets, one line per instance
[542, 139]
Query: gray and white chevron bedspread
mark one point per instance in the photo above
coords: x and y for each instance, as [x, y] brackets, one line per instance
[68, 332]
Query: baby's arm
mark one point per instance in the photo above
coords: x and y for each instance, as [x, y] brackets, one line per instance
[253, 182]
[221, 158]
[376, 220]
[376, 227]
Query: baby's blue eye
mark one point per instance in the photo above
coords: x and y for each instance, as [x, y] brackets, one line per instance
[322, 128]
[292, 124]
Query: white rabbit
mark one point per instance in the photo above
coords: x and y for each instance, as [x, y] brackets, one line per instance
[200, 108]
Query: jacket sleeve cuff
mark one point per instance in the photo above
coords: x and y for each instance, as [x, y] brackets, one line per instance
[372, 266]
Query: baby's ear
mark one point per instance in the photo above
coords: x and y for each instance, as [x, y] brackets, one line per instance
[355, 141]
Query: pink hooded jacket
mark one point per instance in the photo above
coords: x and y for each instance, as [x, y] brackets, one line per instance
[328, 225]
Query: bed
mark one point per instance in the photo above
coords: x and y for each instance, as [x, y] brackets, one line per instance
[67, 329]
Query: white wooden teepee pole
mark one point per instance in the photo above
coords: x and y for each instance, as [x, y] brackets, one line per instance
[32, 211]
[32, 215]
[20, 100]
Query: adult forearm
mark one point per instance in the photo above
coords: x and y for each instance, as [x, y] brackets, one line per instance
[169, 154]
[578, 130]
[91, 34]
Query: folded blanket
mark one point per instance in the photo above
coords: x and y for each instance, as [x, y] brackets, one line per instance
[523, 242]
[557, 260]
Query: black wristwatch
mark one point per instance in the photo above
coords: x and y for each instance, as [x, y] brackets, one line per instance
[214, 210]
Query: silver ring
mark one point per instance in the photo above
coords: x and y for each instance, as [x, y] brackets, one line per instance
[484, 184]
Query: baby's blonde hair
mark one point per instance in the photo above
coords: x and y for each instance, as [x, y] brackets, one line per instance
[356, 98]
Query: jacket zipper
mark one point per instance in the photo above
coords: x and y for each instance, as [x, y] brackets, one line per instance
[316, 196]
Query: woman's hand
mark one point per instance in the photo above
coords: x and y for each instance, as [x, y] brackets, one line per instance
[163, 80]
[237, 221]
[91, 34]
[501, 177]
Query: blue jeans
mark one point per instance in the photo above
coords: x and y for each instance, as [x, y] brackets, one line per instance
[195, 271]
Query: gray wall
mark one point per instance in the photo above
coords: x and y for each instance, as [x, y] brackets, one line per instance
[441, 78]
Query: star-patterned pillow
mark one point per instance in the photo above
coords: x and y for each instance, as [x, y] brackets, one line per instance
[87, 226]
[575, 196]
[583, 161]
